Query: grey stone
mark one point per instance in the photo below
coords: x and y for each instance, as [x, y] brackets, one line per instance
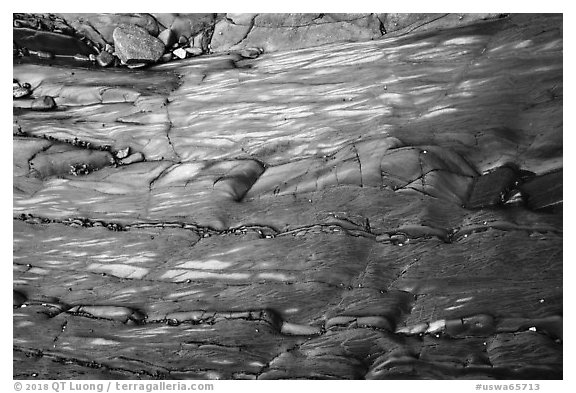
[136, 157]
[123, 153]
[135, 45]
[250, 53]
[180, 53]
[194, 51]
[167, 37]
[104, 59]
[43, 103]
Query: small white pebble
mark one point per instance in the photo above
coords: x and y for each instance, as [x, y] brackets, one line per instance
[541, 300]
[424, 151]
[532, 329]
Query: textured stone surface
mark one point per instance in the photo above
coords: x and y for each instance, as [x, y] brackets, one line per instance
[275, 32]
[322, 213]
[222, 32]
[134, 45]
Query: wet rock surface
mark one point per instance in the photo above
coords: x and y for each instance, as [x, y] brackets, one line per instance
[382, 209]
[81, 35]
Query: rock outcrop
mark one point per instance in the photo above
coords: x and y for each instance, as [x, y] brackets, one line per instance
[50, 42]
[221, 33]
[376, 209]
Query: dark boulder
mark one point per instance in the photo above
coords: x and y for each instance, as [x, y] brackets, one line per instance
[46, 41]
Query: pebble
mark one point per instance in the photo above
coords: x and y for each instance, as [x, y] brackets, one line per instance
[122, 153]
[133, 158]
[293, 329]
[104, 59]
[194, 51]
[250, 53]
[398, 239]
[182, 40]
[180, 53]
[167, 57]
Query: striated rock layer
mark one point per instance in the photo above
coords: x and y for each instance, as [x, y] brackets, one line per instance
[381, 209]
